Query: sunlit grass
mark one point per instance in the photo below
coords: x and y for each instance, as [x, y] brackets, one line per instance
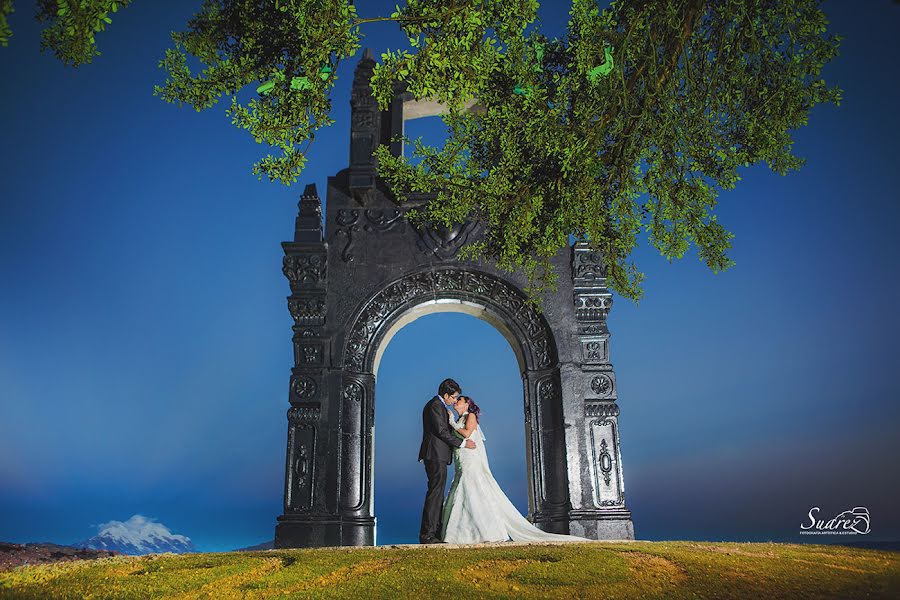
[590, 570]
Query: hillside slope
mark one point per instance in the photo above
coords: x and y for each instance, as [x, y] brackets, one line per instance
[588, 570]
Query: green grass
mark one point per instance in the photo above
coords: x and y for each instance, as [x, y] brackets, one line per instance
[591, 570]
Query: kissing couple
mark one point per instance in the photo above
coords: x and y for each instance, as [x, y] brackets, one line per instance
[476, 509]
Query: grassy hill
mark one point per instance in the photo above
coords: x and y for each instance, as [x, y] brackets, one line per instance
[589, 570]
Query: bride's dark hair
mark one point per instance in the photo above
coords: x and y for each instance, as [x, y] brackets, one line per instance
[473, 408]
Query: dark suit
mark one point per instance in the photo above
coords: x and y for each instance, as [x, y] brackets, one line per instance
[436, 451]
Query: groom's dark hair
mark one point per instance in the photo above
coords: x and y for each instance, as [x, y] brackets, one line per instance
[448, 386]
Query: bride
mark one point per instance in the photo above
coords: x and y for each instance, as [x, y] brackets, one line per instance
[476, 509]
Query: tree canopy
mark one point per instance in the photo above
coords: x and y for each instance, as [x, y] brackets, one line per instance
[637, 117]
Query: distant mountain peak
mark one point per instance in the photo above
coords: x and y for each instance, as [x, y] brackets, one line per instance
[137, 535]
[270, 545]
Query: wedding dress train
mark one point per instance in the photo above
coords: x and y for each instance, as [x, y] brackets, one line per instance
[477, 510]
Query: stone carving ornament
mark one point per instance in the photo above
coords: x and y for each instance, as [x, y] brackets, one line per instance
[346, 222]
[349, 221]
[589, 267]
[547, 390]
[601, 385]
[307, 310]
[601, 409]
[353, 391]
[303, 416]
[592, 306]
[304, 270]
[604, 461]
[444, 242]
[451, 282]
[303, 421]
[304, 387]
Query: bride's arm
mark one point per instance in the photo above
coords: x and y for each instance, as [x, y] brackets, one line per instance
[471, 423]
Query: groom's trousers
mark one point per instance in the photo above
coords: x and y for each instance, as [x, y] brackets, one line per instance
[436, 470]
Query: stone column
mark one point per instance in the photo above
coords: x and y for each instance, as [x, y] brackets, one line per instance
[357, 425]
[304, 265]
[546, 453]
[600, 511]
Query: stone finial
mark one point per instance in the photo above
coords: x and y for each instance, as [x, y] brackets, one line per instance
[308, 227]
[365, 130]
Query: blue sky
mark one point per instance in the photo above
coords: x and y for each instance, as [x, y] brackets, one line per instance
[145, 339]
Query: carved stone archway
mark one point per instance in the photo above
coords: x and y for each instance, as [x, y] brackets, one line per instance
[371, 271]
[495, 301]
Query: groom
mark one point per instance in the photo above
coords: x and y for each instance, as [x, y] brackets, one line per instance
[436, 452]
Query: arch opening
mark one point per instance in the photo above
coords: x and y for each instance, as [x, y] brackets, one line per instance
[410, 367]
[449, 305]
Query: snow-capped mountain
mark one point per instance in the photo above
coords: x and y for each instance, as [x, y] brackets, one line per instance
[270, 545]
[137, 535]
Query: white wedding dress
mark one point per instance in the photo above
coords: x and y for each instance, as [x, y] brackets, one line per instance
[476, 509]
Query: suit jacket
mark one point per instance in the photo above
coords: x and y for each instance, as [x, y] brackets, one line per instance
[438, 439]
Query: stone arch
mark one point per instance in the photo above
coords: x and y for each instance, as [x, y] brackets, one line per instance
[360, 274]
[500, 304]
[503, 305]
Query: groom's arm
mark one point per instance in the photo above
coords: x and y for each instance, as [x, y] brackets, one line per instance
[440, 424]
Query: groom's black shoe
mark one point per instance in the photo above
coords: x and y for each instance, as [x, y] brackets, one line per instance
[431, 541]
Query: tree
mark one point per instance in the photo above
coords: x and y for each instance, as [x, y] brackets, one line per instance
[637, 117]
[71, 26]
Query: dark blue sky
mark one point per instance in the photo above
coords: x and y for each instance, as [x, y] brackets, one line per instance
[145, 340]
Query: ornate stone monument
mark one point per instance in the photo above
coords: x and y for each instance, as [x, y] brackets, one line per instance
[371, 273]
